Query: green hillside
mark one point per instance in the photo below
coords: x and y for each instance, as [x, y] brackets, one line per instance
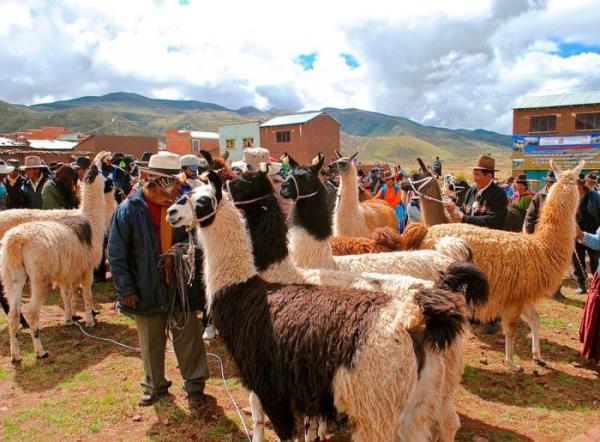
[378, 137]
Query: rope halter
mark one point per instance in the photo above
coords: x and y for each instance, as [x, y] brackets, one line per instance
[417, 185]
[241, 203]
[196, 221]
[298, 195]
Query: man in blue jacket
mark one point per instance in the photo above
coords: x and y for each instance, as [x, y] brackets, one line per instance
[139, 234]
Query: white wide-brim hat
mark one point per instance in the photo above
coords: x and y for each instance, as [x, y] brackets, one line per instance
[163, 164]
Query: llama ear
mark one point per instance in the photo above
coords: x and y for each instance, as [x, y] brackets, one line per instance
[225, 156]
[353, 156]
[292, 162]
[318, 163]
[422, 166]
[339, 155]
[264, 168]
[208, 157]
[578, 168]
[555, 168]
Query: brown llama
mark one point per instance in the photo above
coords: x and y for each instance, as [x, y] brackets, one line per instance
[521, 269]
[384, 239]
[308, 350]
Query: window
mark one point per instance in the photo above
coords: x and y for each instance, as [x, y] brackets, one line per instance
[248, 142]
[587, 121]
[230, 143]
[196, 145]
[542, 124]
[283, 136]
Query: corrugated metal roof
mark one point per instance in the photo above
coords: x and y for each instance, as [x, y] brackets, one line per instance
[573, 99]
[52, 144]
[7, 142]
[204, 135]
[291, 119]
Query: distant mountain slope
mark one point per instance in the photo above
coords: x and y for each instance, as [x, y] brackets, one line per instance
[377, 136]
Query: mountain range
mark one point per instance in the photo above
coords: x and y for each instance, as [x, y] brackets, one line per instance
[377, 137]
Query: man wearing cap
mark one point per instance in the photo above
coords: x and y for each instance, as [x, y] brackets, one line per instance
[139, 235]
[191, 168]
[36, 174]
[588, 220]
[14, 186]
[485, 203]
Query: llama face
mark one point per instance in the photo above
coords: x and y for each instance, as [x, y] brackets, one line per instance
[198, 206]
[248, 186]
[300, 181]
[342, 165]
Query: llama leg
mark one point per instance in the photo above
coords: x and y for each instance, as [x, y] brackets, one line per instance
[33, 309]
[509, 325]
[532, 317]
[449, 423]
[323, 429]
[258, 419]
[13, 291]
[65, 294]
[86, 285]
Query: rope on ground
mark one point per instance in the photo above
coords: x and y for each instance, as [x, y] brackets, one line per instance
[137, 350]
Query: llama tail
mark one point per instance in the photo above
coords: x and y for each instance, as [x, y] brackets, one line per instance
[466, 278]
[445, 316]
[12, 268]
[413, 236]
[388, 238]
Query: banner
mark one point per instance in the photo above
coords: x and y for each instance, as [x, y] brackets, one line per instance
[565, 150]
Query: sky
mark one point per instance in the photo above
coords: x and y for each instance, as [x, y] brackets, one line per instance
[456, 64]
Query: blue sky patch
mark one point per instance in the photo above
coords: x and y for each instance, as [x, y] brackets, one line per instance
[184, 2]
[569, 49]
[307, 61]
[350, 60]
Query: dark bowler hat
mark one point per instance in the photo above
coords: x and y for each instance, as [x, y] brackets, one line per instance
[485, 162]
[81, 163]
[551, 177]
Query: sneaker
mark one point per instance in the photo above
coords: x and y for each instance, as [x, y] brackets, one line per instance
[147, 398]
[580, 290]
[209, 333]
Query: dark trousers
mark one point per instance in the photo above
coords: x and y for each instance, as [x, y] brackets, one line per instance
[579, 265]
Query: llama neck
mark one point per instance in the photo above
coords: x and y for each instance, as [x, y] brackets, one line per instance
[267, 232]
[109, 208]
[283, 271]
[557, 219]
[312, 215]
[348, 193]
[92, 206]
[310, 252]
[433, 211]
[227, 250]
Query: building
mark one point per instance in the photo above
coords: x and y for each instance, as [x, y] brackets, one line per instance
[565, 128]
[235, 137]
[184, 142]
[302, 135]
[134, 145]
[43, 133]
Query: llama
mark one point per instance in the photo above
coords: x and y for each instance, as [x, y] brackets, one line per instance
[311, 249]
[383, 239]
[15, 217]
[521, 269]
[311, 350]
[354, 218]
[64, 251]
[253, 193]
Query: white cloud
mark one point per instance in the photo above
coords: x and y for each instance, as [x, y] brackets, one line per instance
[459, 64]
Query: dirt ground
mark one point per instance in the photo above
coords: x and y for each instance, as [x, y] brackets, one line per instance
[88, 389]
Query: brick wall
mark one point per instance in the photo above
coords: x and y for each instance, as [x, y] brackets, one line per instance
[44, 133]
[565, 118]
[178, 141]
[321, 134]
[133, 145]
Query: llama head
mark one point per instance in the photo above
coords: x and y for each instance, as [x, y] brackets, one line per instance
[343, 164]
[423, 182]
[199, 206]
[250, 186]
[567, 176]
[302, 181]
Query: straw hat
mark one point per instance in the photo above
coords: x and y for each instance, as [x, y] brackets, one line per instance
[33, 162]
[4, 168]
[253, 156]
